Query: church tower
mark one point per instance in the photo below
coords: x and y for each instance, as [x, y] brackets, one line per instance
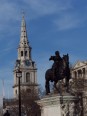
[27, 65]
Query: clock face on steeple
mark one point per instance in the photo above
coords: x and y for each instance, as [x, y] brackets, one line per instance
[27, 63]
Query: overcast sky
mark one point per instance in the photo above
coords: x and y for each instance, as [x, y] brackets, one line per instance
[51, 25]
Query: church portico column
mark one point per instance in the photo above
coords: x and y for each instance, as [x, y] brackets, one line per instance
[73, 74]
[83, 73]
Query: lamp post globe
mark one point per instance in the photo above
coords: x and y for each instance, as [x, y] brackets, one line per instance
[18, 73]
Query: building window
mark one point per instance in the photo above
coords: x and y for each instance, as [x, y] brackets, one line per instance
[25, 53]
[15, 91]
[21, 53]
[27, 77]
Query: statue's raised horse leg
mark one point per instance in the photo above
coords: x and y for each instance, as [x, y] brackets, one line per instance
[47, 86]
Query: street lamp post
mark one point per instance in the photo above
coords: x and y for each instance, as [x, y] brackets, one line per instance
[19, 75]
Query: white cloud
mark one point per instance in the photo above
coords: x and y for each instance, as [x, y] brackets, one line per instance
[62, 10]
[10, 11]
[46, 7]
[67, 21]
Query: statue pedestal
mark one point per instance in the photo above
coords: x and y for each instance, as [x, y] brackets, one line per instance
[56, 105]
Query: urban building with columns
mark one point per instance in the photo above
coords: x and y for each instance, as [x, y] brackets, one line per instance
[79, 77]
[27, 65]
[79, 70]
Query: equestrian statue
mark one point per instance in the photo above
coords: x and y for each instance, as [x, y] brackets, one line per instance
[60, 70]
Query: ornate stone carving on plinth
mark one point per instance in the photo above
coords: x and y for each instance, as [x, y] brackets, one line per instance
[56, 105]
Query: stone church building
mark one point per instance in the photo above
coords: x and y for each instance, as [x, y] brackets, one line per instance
[27, 65]
[28, 81]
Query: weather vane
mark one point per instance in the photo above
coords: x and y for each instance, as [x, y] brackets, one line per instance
[23, 13]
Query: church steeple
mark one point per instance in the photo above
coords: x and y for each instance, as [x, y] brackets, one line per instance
[23, 36]
[24, 49]
[27, 65]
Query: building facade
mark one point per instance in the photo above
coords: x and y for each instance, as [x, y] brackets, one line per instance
[79, 70]
[27, 65]
[79, 77]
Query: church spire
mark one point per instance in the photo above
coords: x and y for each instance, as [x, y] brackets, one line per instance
[24, 49]
[23, 36]
[27, 65]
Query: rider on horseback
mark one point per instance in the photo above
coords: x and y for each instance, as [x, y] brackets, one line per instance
[60, 70]
[57, 61]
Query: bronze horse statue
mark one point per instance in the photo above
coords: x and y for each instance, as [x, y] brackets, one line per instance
[62, 71]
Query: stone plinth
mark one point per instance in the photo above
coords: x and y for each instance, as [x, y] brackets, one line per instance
[56, 105]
